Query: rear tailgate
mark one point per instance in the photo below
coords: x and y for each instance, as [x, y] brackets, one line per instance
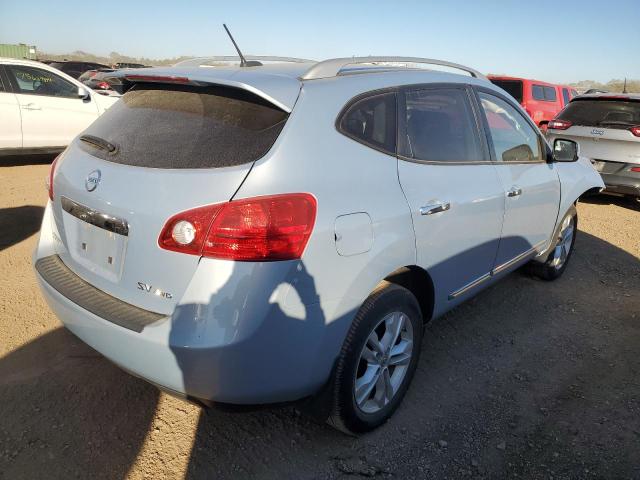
[160, 150]
[613, 145]
[603, 127]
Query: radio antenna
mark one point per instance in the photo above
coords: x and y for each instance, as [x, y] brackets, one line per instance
[243, 61]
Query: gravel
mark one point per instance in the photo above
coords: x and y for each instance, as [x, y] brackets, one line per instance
[529, 379]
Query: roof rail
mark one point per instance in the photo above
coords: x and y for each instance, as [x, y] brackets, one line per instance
[196, 62]
[331, 68]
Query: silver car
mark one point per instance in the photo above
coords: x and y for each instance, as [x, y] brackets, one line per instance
[280, 232]
[607, 128]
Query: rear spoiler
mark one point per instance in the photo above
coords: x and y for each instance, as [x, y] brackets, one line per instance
[278, 90]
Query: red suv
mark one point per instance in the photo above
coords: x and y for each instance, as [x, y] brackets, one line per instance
[541, 100]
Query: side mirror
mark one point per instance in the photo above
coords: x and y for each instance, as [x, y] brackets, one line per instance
[565, 150]
[83, 93]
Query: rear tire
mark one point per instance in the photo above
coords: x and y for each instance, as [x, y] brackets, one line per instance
[559, 256]
[378, 359]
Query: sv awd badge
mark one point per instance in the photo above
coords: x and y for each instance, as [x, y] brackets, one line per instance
[149, 289]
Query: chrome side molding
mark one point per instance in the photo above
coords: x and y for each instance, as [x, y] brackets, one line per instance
[500, 268]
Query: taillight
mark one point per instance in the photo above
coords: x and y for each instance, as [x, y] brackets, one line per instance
[559, 124]
[103, 85]
[635, 130]
[52, 170]
[635, 169]
[275, 227]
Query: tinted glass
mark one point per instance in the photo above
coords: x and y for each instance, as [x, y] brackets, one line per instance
[35, 81]
[161, 126]
[512, 87]
[537, 92]
[514, 140]
[565, 95]
[574, 93]
[550, 94]
[372, 121]
[602, 113]
[440, 126]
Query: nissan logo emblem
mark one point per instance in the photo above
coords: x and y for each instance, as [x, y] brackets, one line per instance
[92, 181]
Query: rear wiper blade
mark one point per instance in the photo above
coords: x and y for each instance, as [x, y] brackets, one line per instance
[98, 142]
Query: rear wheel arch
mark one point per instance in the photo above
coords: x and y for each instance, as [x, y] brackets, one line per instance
[418, 281]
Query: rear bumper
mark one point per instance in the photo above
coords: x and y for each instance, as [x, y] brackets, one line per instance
[246, 350]
[627, 184]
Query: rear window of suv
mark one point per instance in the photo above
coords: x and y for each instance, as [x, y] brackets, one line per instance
[608, 113]
[512, 87]
[175, 126]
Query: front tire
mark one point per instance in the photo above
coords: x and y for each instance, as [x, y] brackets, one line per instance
[377, 361]
[559, 256]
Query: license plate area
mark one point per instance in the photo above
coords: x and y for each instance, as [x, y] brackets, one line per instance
[95, 240]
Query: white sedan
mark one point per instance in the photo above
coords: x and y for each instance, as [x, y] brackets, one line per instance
[42, 109]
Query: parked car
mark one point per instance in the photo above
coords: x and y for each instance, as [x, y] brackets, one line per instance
[95, 79]
[41, 108]
[541, 100]
[75, 69]
[120, 65]
[282, 232]
[607, 128]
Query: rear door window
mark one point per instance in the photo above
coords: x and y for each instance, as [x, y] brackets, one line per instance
[550, 94]
[439, 126]
[606, 113]
[175, 126]
[372, 121]
[537, 92]
[36, 81]
[514, 139]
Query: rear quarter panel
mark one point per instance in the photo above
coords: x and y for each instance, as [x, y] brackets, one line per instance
[345, 177]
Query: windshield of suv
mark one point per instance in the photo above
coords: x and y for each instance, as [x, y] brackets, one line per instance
[609, 113]
[176, 126]
[512, 87]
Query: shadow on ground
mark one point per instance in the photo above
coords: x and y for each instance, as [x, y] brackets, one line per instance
[608, 199]
[22, 160]
[529, 378]
[18, 223]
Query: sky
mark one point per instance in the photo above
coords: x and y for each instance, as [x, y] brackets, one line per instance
[557, 41]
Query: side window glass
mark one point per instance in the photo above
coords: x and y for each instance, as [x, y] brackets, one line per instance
[440, 126]
[550, 94]
[34, 81]
[537, 92]
[565, 95]
[514, 140]
[372, 121]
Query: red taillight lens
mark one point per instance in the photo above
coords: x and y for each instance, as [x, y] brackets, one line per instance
[103, 86]
[635, 169]
[52, 170]
[635, 130]
[93, 74]
[269, 228]
[559, 124]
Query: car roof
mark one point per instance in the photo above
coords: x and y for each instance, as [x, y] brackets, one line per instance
[280, 79]
[608, 96]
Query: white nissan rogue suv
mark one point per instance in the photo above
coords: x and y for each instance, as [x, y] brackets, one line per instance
[264, 234]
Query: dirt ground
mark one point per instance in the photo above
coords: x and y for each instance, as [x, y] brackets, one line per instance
[529, 379]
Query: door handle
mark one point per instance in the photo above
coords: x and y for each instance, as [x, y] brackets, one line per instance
[514, 192]
[31, 106]
[435, 207]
